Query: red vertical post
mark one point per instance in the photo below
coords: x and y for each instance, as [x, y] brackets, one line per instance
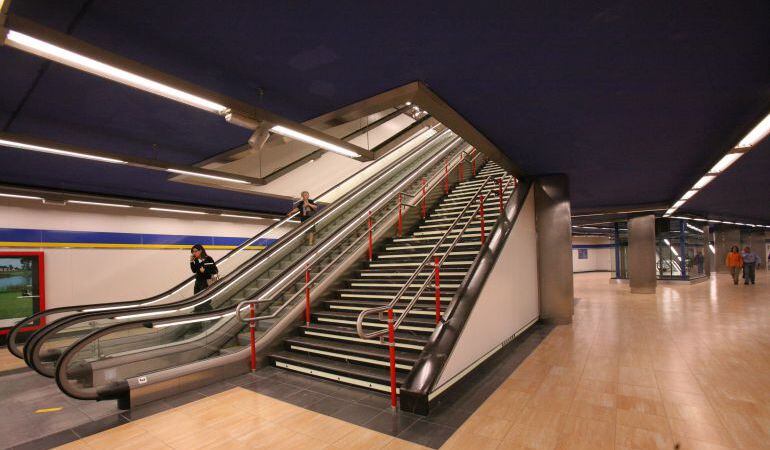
[438, 288]
[252, 338]
[369, 224]
[446, 176]
[307, 294]
[399, 214]
[424, 181]
[392, 347]
[500, 192]
[481, 213]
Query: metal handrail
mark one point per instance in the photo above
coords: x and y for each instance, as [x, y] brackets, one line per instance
[382, 309]
[417, 197]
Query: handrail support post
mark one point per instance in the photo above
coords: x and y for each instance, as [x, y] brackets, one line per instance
[481, 215]
[392, 348]
[252, 338]
[436, 265]
[307, 295]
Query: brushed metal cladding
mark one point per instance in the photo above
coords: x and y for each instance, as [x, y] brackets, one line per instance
[554, 248]
[641, 255]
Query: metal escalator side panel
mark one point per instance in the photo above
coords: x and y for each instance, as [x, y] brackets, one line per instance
[181, 348]
[420, 386]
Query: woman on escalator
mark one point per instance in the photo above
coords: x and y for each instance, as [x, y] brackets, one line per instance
[204, 268]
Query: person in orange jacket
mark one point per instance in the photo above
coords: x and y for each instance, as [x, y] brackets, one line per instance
[734, 262]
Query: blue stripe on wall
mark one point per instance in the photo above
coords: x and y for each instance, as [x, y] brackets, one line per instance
[100, 237]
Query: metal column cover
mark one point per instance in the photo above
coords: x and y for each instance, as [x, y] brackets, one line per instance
[641, 254]
[554, 248]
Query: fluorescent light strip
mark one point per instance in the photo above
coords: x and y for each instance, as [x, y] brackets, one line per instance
[205, 175]
[705, 179]
[288, 132]
[689, 194]
[56, 151]
[725, 162]
[25, 197]
[713, 250]
[242, 217]
[113, 205]
[43, 49]
[694, 228]
[678, 204]
[756, 134]
[177, 211]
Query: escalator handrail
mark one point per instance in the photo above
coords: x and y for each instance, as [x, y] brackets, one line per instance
[129, 304]
[73, 350]
[30, 353]
[420, 267]
[419, 195]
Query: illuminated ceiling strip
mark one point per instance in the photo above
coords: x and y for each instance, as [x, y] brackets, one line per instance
[290, 133]
[752, 138]
[43, 49]
[112, 205]
[205, 175]
[178, 211]
[56, 151]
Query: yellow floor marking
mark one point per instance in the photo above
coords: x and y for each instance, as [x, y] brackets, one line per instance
[47, 410]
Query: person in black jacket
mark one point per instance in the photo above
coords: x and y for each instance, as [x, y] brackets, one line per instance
[203, 266]
[306, 208]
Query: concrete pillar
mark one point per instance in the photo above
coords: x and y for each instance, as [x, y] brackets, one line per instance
[724, 238]
[708, 257]
[554, 248]
[642, 272]
[756, 240]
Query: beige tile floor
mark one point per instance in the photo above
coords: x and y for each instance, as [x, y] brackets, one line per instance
[9, 362]
[688, 366]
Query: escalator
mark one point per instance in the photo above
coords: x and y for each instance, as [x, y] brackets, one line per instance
[161, 349]
[45, 347]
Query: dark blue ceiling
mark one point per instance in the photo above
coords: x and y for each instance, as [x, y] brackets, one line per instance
[634, 100]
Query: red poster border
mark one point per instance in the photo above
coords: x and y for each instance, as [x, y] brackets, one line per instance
[41, 285]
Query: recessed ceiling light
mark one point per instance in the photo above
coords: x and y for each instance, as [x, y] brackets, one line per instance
[182, 211]
[725, 162]
[705, 179]
[756, 134]
[288, 132]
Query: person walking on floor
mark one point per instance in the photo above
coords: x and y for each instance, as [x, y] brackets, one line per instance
[734, 263]
[750, 263]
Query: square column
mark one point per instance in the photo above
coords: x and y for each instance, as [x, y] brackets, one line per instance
[553, 220]
[642, 273]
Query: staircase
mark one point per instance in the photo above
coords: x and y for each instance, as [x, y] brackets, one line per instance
[330, 348]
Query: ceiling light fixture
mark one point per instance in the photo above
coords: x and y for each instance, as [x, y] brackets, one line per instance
[56, 151]
[177, 211]
[23, 197]
[705, 179]
[83, 202]
[759, 132]
[242, 217]
[288, 132]
[205, 175]
[689, 194]
[46, 50]
[713, 250]
[725, 162]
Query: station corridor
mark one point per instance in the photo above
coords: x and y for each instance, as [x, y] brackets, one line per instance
[688, 366]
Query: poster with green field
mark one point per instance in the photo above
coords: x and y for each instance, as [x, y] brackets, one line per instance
[20, 287]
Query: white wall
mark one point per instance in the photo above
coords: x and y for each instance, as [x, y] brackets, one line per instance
[508, 301]
[97, 275]
[598, 258]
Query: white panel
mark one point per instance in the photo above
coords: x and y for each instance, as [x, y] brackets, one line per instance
[599, 259]
[77, 276]
[508, 301]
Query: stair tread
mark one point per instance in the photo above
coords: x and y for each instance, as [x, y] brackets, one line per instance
[353, 349]
[353, 316]
[353, 370]
[401, 336]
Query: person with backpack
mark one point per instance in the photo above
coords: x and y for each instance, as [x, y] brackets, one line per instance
[734, 263]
